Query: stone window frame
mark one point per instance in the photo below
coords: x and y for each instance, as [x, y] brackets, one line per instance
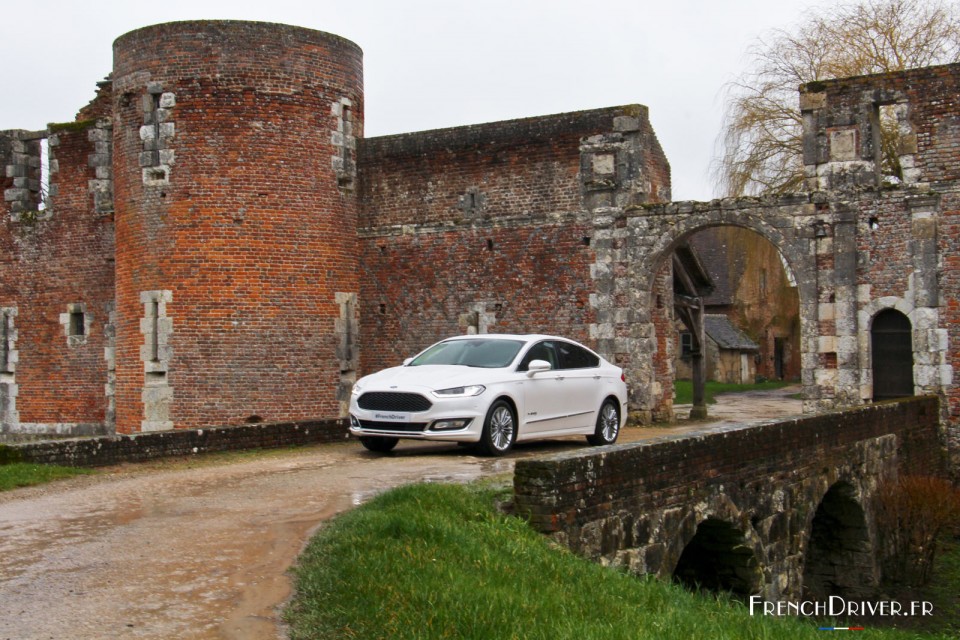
[344, 141]
[9, 356]
[158, 129]
[77, 322]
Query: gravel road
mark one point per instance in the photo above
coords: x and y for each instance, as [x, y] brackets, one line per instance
[200, 549]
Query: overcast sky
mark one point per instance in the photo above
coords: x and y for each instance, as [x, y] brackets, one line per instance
[432, 64]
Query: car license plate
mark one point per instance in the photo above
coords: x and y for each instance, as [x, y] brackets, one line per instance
[391, 416]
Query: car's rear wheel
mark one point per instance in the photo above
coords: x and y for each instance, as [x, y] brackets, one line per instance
[608, 424]
[499, 430]
[379, 444]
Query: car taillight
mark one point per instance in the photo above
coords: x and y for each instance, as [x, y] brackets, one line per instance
[623, 377]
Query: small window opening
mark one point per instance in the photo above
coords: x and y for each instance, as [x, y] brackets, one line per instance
[4, 345]
[887, 140]
[77, 327]
[586, 241]
[830, 360]
[383, 309]
[489, 244]
[44, 194]
[686, 344]
[155, 333]
[874, 223]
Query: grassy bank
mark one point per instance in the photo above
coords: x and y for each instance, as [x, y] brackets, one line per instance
[438, 561]
[683, 389]
[21, 474]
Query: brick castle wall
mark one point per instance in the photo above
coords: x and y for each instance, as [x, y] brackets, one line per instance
[480, 228]
[58, 261]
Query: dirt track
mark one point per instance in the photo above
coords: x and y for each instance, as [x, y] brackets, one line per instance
[186, 550]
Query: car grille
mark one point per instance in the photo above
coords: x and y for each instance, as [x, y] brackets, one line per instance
[393, 401]
[406, 427]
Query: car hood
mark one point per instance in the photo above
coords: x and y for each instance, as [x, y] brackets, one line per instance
[429, 377]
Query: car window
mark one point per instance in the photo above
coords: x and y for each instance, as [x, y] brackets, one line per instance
[541, 351]
[488, 354]
[576, 357]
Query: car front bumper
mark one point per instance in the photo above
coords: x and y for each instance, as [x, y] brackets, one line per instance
[450, 420]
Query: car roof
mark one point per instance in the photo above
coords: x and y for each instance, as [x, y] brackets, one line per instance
[527, 337]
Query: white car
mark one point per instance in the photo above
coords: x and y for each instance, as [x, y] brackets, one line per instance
[492, 390]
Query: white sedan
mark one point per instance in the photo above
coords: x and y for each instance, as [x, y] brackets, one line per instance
[492, 390]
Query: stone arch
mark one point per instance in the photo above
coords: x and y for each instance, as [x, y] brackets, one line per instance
[793, 255]
[839, 558]
[783, 231]
[720, 558]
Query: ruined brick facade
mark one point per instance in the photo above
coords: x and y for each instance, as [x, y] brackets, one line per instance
[220, 244]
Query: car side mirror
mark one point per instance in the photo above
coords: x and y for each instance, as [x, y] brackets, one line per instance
[536, 366]
[407, 361]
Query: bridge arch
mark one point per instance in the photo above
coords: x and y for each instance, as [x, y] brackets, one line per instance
[719, 557]
[839, 559]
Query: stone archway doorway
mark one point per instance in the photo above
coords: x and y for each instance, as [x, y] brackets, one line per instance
[891, 348]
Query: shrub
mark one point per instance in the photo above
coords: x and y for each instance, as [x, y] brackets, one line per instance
[912, 513]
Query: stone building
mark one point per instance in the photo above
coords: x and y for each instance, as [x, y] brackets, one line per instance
[220, 244]
[730, 355]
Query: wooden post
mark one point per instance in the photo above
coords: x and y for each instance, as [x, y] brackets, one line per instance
[699, 364]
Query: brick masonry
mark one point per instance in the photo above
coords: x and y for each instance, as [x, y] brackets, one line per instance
[109, 450]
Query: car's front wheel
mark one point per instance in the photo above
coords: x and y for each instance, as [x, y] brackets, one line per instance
[499, 430]
[378, 444]
[608, 424]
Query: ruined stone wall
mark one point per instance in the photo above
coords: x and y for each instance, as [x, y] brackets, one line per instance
[841, 129]
[235, 157]
[58, 287]
[638, 505]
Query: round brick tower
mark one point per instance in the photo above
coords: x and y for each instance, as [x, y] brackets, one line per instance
[236, 251]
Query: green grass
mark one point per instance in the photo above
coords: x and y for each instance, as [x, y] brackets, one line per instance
[683, 389]
[438, 561]
[22, 474]
[944, 591]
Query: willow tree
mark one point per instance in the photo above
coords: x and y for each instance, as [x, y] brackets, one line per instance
[760, 142]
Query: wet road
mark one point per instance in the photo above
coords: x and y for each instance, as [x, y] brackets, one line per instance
[187, 550]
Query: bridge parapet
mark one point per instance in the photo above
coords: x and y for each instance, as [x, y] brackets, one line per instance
[759, 488]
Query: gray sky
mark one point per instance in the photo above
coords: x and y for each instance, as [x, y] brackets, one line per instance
[431, 64]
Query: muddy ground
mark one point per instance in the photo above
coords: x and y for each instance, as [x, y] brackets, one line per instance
[200, 549]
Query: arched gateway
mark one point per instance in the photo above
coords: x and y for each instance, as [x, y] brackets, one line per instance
[852, 249]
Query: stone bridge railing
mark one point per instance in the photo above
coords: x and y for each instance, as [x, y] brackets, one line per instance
[756, 503]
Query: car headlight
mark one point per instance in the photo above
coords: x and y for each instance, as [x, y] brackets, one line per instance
[460, 392]
[356, 390]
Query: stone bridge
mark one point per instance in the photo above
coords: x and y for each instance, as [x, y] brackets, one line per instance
[783, 510]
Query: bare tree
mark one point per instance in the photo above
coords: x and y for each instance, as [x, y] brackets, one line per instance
[760, 142]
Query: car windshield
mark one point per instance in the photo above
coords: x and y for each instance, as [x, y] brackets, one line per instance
[489, 354]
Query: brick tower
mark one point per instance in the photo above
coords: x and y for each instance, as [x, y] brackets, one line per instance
[236, 250]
